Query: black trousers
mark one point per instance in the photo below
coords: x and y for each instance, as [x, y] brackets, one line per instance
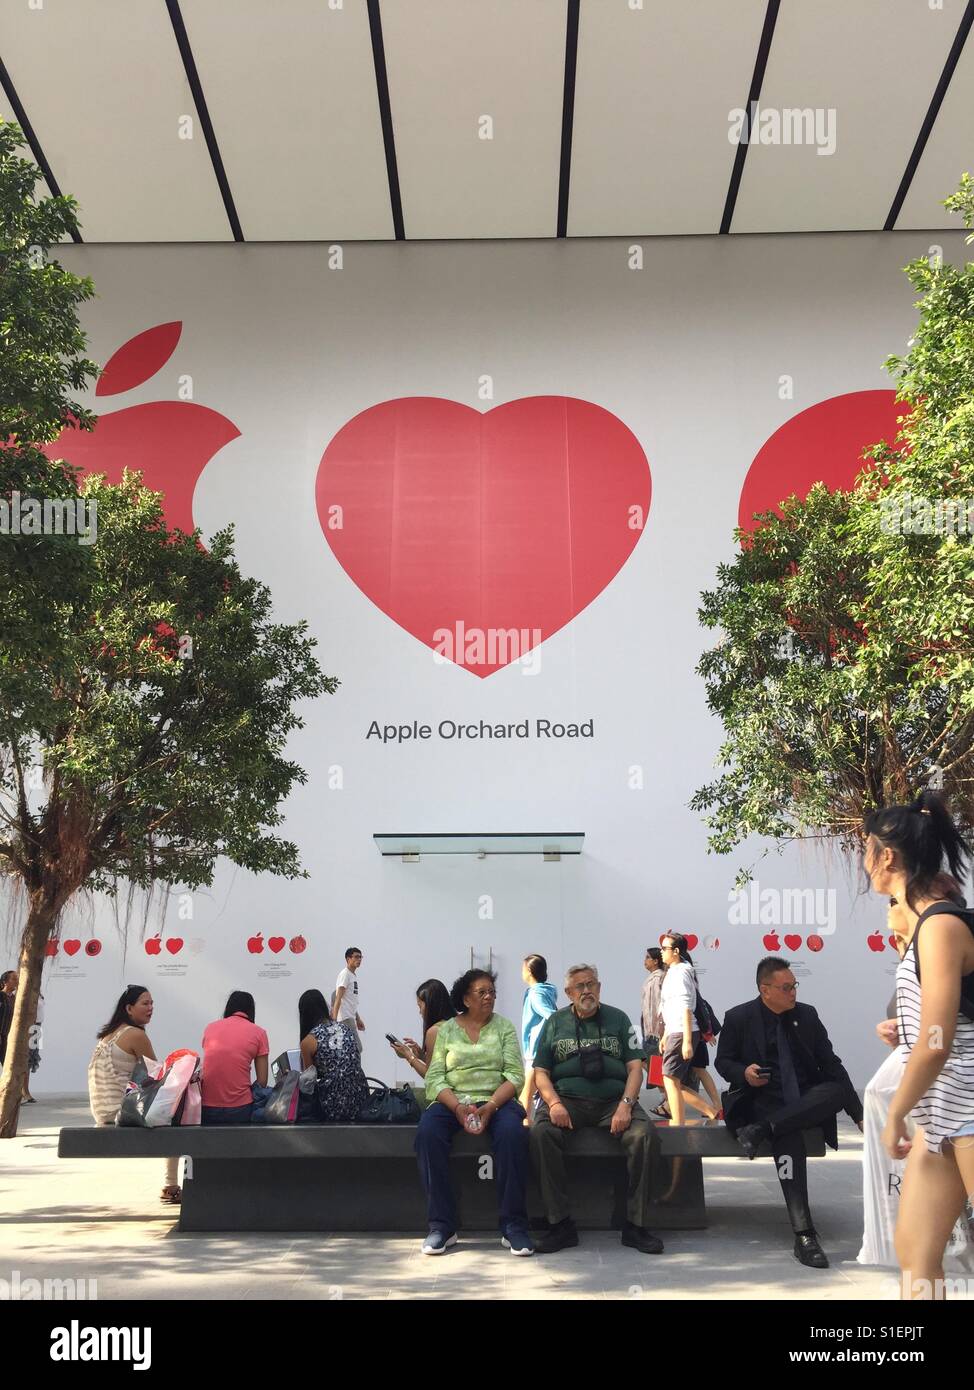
[787, 1119]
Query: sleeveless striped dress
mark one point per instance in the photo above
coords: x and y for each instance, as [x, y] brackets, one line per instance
[949, 1103]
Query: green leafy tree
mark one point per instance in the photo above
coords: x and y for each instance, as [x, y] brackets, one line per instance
[146, 695]
[844, 672]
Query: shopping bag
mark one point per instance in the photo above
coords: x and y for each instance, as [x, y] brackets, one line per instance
[282, 1108]
[180, 1068]
[192, 1107]
[655, 1075]
[882, 1177]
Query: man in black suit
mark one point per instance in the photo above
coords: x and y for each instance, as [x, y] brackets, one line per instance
[784, 1078]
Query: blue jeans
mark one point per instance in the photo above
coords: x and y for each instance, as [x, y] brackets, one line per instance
[226, 1114]
[509, 1143]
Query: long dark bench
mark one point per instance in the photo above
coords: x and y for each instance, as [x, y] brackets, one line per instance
[364, 1177]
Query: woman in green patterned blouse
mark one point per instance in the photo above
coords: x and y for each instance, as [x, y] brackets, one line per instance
[472, 1083]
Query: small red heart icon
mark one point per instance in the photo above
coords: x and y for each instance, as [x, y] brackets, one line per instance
[276, 943]
[793, 942]
[71, 948]
[540, 503]
[692, 942]
[893, 940]
[174, 945]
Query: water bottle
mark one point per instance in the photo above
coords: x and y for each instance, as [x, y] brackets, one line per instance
[473, 1123]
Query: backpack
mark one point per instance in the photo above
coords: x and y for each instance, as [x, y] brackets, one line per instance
[703, 1015]
[949, 909]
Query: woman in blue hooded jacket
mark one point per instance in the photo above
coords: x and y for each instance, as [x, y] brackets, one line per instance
[540, 1001]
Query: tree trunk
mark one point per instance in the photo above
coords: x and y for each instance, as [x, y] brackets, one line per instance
[40, 922]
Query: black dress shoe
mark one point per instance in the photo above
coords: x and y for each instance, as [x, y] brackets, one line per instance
[751, 1137]
[561, 1236]
[809, 1252]
[638, 1238]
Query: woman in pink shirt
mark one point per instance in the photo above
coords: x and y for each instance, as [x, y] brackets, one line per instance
[231, 1046]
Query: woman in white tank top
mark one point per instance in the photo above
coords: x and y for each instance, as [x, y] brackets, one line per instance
[905, 852]
[121, 1043]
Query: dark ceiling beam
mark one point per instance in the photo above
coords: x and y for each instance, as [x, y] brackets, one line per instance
[202, 111]
[20, 115]
[953, 58]
[753, 96]
[568, 115]
[385, 115]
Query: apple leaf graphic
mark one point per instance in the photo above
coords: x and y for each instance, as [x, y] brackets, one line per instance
[139, 358]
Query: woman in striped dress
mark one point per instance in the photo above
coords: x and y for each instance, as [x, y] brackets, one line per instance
[121, 1043]
[906, 850]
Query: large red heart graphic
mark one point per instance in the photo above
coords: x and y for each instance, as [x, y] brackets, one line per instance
[482, 534]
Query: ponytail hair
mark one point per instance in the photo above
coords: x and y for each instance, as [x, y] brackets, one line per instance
[924, 835]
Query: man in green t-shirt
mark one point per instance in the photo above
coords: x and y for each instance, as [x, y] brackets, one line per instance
[588, 1067]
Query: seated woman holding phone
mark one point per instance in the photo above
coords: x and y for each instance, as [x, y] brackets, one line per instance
[433, 1001]
[472, 1082]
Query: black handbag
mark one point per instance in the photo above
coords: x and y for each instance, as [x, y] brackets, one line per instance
[388, 1107]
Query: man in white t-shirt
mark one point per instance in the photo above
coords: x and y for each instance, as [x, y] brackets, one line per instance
[347, 996]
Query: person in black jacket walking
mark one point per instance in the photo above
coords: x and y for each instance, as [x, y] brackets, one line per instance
[784, 1078]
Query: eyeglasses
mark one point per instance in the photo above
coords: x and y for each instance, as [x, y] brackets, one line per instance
[582, 984]
[484, 993]
[788, 989]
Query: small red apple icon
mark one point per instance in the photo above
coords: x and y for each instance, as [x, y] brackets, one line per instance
[276, 943]
[255, 945]
[875, 942]
[174, 945]
[153, 946]
[771, 942]
[814, 943]
[793, 942]
[92, 947]
[71, 948]
[170, 442]
[51, 948]
[298, 944]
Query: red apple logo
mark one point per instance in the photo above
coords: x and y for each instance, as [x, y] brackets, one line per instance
[153, 946]
[71, 948]
[171, 442]
[298, 944]
[51, 948]
[92, 947]
[255, 945]
[174, 945]
[814, 943]
[875, 942]
[771, 942]
[793, 942]
[276, 943]
[821, 444]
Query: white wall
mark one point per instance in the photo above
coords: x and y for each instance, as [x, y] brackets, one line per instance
[688, 353]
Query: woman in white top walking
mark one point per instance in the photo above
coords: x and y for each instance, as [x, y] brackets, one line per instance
[906, 849]
[121, 1043]
[681, 1035]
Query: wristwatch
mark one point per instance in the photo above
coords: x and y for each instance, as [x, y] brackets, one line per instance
[630, 1100]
